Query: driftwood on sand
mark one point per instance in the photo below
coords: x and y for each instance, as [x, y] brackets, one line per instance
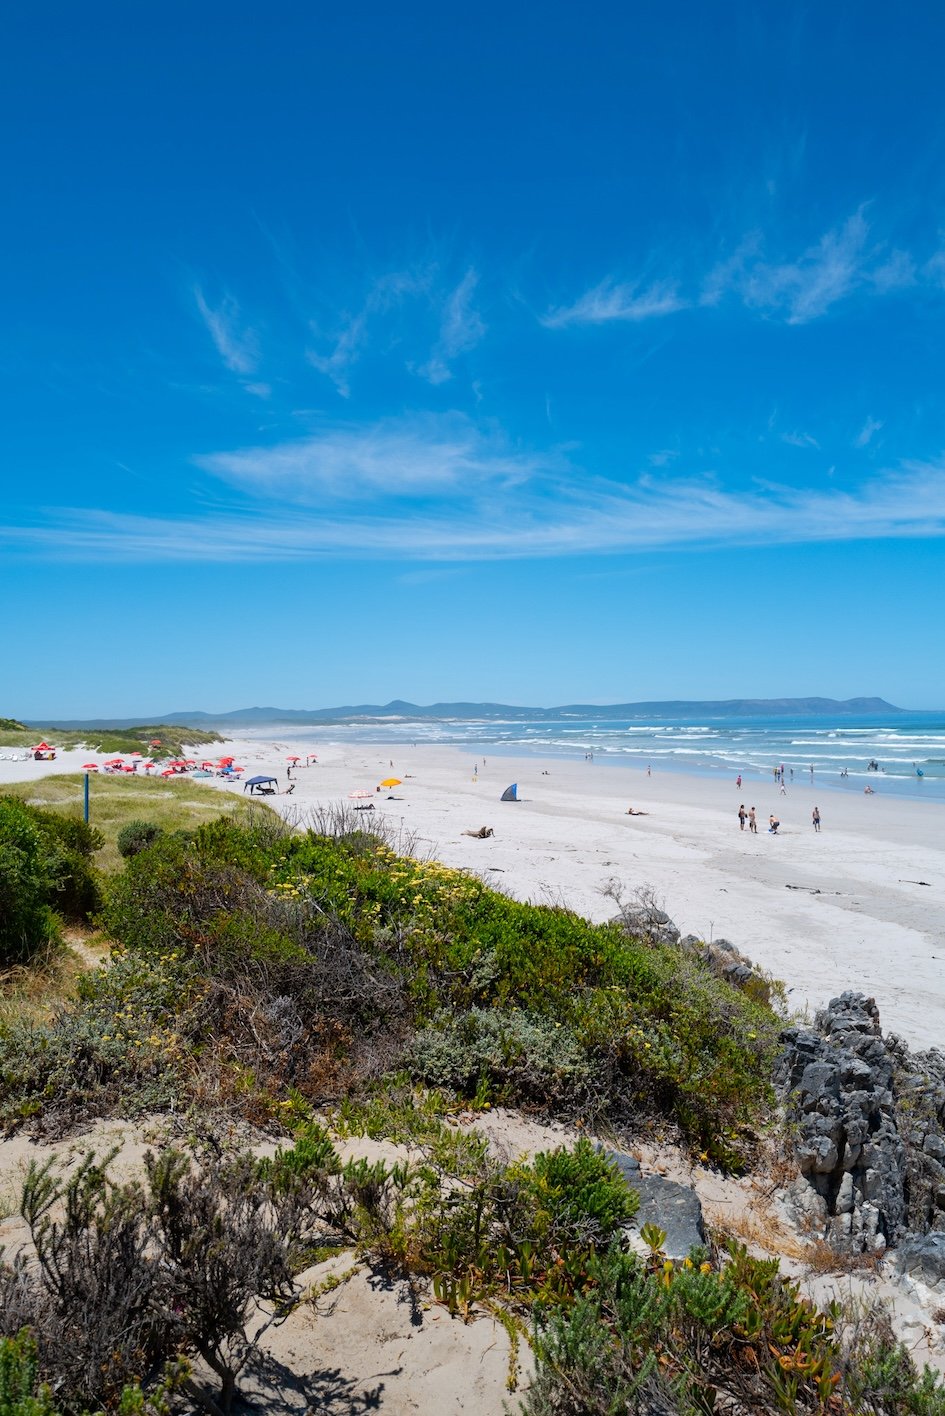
[482, 834]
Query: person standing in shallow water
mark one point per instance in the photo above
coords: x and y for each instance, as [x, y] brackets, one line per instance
[742, 817]
[752, 821]
[815, 818]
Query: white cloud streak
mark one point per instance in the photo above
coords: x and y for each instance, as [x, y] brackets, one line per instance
[806, 288]
[423, 456]
[235, 344]
[446, 492]
[461, 329]
[865, 436]
[351, 340]
[806, 440]
[611, 301]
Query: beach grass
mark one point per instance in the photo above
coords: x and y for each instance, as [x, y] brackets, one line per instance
[176, 804]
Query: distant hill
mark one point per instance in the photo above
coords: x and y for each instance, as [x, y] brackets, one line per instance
[669, 708]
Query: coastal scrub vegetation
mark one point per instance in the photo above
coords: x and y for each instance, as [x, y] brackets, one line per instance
[250, 961]
[144, 1294]
[291, 978]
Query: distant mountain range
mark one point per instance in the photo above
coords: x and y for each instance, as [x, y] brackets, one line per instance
[670, 708]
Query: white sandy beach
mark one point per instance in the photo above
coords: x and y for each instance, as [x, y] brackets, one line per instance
[857, 919]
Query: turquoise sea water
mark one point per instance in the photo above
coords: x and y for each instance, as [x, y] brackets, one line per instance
[901, 745]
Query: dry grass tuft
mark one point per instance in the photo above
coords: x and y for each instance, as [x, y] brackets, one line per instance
[32, 992]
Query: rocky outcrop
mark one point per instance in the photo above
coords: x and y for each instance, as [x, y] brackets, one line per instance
[728, 963]
[647, 921]
[644, 920]
[868, 1121]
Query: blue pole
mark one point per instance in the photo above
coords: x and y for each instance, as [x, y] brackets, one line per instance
[86, 798]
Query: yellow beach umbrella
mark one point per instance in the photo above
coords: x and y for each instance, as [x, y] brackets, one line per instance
[391, 782]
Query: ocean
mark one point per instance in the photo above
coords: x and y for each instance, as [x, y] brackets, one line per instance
[902, 745]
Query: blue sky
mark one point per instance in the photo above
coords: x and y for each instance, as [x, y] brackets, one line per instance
[537, 354]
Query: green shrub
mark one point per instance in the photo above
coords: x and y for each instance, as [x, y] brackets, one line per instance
[21, 1394]
[136, 836]
[28, 880]
[509, 1057]
[577, 1196]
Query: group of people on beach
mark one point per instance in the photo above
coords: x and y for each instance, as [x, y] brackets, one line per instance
[773, 822]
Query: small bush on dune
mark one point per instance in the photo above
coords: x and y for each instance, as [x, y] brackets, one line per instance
[527, 1061]
[136, 837]
[28, 881]
[45, 872]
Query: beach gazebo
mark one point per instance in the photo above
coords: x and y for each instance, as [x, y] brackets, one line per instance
[264, 786]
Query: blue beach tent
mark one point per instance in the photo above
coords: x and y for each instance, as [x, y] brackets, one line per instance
[510, 793]
[265, 785]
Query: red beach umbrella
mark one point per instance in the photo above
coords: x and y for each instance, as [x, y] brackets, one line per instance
[115, 762]
[90, 767]
[167, 772]
[294, 758]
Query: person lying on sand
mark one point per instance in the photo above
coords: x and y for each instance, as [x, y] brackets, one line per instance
[631, 812]
[482, 834]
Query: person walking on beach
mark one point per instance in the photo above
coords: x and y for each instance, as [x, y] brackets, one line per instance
[783, 788]
[752, 821]
[815, 818]
[738, 781]
[773, 824]
[742, 817]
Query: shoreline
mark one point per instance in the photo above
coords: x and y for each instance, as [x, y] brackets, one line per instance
[842, 909]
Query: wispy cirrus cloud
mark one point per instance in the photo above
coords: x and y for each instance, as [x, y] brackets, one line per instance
[844, 260]
[448, 491]
[410, 457]
[865, 436]
[461, 329]
[417, 294]
[611, 301]
[235, 343]
[350, 339]
[796, 439]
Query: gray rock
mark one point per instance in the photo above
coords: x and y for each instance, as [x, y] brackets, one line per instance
[923, 1257]
[645, 921]
[671, 1207]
